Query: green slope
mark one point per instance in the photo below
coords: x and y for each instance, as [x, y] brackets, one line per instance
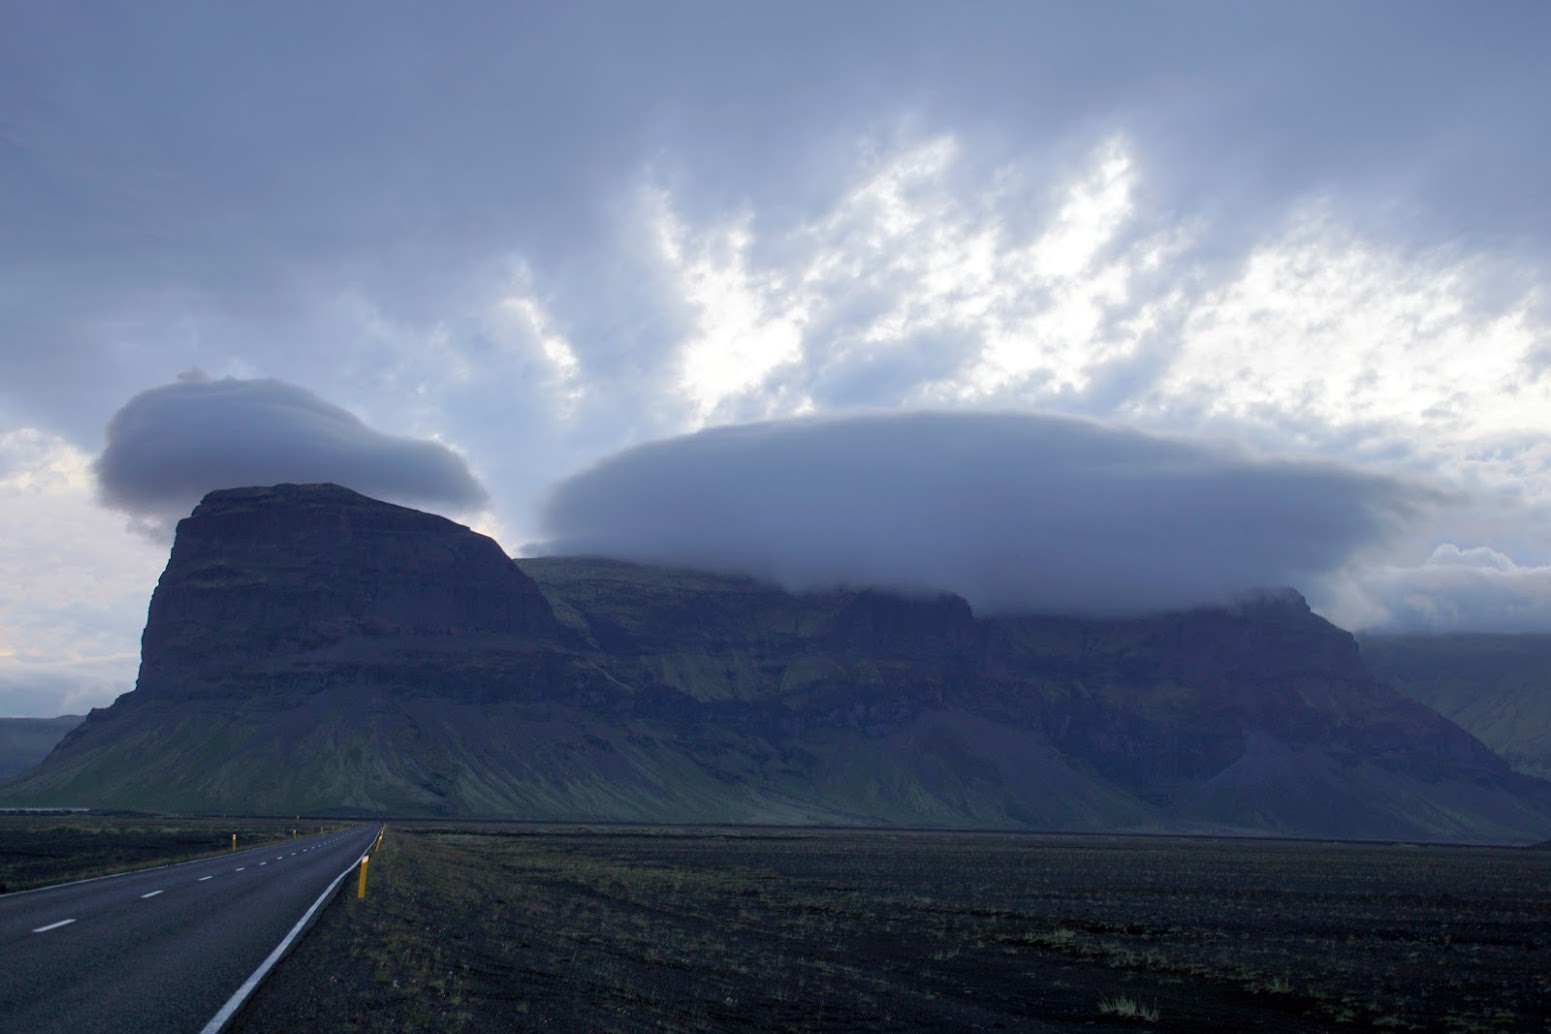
[1496, 687]
[352, 754]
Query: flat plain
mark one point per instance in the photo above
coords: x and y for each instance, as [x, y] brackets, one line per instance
[41, 849]
[636, 929]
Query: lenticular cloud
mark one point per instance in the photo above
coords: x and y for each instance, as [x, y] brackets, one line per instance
[1017, 513]
[170, 445]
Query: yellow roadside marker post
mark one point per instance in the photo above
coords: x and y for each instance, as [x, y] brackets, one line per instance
[360, 891]
[234, 841]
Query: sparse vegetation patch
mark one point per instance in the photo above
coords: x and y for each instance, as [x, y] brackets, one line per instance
[1128, 1008]
[636, 929]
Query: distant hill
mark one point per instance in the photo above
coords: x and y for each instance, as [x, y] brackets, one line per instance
[24, 742]
[1497, 687]
[308, 648]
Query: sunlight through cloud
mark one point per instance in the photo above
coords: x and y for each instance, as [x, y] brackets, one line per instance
[521, 320]
[1334, 331]
[914, 281]
[741, 336]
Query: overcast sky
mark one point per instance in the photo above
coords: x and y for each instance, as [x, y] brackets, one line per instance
[1281, 269]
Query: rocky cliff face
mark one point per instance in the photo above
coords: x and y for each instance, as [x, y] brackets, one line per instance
[298, 650]
[311, 649]
[317, 576]
[718, 639]
[1257, 715]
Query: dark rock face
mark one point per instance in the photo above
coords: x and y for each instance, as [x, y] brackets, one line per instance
[310, 576]
[1166, 703]
[311, 649]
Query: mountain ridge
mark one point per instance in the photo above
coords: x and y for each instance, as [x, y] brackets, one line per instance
[309, 648]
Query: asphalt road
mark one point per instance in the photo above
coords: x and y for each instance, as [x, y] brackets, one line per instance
[160, 950]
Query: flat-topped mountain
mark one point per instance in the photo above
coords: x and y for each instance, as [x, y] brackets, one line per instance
[311, 649]
[316, 578]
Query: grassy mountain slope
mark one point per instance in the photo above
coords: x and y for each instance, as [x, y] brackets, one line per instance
[1498, 687]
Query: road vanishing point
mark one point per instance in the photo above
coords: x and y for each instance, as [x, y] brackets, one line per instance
[160, 950]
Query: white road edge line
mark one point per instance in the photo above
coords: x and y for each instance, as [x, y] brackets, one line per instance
[53, 926]
[150, 895]
[235, 1001]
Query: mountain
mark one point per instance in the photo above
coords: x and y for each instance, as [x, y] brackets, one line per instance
[308, 648]
[1257, 717]
[26, 741]
[1497, 687]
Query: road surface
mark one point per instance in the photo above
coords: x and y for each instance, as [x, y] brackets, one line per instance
[160, 950]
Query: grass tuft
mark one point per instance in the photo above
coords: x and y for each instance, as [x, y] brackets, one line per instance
[1128, 1008]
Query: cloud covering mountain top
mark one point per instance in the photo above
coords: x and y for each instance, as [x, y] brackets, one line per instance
[170, 445]
[544, 234]
[1015, 512]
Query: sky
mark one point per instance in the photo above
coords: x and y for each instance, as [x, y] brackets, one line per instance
[1093, 307]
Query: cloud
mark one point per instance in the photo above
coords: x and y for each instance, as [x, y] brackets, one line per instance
[547, 234]
[1017, 513]
[70, 629]
[923, 280]
[154, 189]
[929, 283]
[48, 694]
[1471, 589]
[170, 445]
[1402, 340]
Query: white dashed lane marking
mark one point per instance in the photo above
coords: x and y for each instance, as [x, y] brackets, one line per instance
[204, 878]
[150, 895]
[53, 926]
[240, 868]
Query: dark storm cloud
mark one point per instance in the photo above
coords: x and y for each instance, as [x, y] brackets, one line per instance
[155, 126]
[1015, 512]
[168, 446]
